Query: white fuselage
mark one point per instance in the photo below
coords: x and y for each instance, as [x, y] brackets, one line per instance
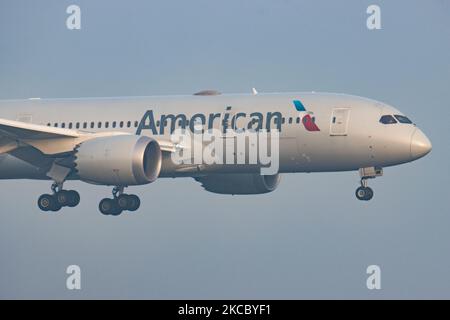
[349, 136]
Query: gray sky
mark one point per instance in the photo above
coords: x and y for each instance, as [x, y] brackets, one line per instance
[309, 239]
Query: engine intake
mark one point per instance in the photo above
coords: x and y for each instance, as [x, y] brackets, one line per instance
[119, 160]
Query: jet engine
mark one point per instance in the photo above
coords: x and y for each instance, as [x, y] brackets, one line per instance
[245, 183]
[119, 160]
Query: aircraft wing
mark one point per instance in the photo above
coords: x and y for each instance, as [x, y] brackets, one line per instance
[51, 140]
[17, 130]
[14, 134]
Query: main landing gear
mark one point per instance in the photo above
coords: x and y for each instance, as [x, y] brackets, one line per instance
[364, 192]
[59, 199]
[119, 203]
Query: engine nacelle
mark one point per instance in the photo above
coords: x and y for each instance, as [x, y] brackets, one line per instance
[119, 160]
[244, 183]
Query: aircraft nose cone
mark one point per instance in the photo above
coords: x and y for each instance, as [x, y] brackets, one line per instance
[420, 145]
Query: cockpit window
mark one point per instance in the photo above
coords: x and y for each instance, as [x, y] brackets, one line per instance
[402, 119]
[387, 119]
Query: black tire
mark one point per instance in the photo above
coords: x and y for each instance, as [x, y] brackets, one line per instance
[133, 202]
[364, 193]
[109, 207]
[369, 194]
[116, 211]
[360, 193]
[105, 206]
[62, 197]
[48, 202]
[56, 206]
[123, 201]
[45, 202]
[74, 198]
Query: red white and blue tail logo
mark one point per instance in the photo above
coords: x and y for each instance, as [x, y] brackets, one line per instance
[307, 117]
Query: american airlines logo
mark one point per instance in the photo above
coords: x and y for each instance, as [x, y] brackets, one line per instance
[229, 120]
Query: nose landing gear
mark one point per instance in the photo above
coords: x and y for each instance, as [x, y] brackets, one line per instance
[59, 199]
[364, 192]
[120, 202]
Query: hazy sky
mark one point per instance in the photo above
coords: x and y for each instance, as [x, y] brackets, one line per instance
[310, 238]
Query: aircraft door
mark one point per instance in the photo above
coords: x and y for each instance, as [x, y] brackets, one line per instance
[339, 121]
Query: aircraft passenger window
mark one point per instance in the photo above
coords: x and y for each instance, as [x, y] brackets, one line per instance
[297, 120]
[290, 120]
[106, 124]
[92, 125]
[283, 120]
[136, 124]
[85, 125]
[63, 125]
[70, 125]
[114, 124]
[49, 124]
[129, 124]
[121, 124]
[99, 125]
[402, 119]
[78, 125]
[157, 123]
[387, 119]
[56, 125]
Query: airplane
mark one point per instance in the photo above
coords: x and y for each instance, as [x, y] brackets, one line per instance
[126, 141]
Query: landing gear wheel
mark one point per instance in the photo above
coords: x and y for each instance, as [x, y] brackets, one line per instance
[364, 193]
[129, 202]
[123, 201]
[62, 197]
[56, 206]
[67, 198]
[133, 202]
[73, 198]
[47, 202]
[110, 207]
[106, 206]
[369, 194]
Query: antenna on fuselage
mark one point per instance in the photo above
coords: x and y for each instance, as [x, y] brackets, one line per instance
[208, 93]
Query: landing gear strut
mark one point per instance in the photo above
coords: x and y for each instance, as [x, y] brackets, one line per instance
[58, 199]
[364, 192]
[119, 203]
